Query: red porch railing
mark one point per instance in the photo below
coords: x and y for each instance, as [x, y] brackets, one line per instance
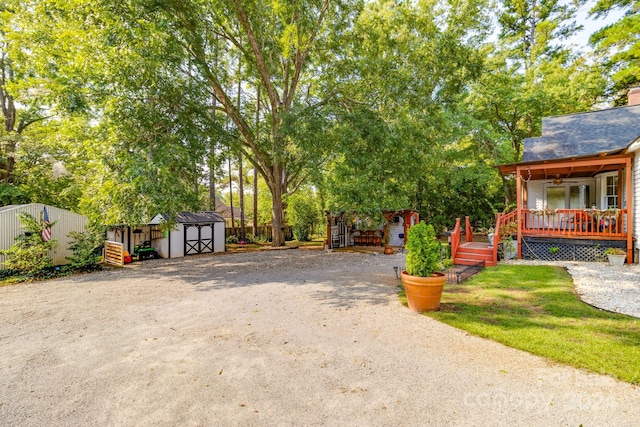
[456, 235]
[575, 223]
[506, 225]
[455, 239]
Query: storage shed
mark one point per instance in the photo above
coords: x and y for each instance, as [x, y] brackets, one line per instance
[65, 222]
[195, 233]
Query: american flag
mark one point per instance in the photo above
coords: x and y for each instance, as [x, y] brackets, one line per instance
[46, 231]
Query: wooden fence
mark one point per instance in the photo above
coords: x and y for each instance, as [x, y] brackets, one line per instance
[114, 253]
[263, 232]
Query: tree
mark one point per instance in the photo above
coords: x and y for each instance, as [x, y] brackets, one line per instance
[277, 40]
[621, 41]
[400, 83]
[303, 212]
[21, 101]
[529, 74]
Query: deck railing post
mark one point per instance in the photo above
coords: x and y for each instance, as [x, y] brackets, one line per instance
[455, 239]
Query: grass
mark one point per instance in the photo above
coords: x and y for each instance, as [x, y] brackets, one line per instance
[534, 308]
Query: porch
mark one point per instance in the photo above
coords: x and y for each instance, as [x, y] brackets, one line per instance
[562, 235]
[585, 199]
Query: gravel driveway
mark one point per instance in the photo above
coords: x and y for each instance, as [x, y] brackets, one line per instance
[296, 337]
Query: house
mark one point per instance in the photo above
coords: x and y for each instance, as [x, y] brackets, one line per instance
[231, 215]
[65, 222]
[194, 233]
[578, 187]
[345, 230]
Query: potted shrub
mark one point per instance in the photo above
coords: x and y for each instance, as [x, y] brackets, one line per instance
[616, 256]
[423, 279]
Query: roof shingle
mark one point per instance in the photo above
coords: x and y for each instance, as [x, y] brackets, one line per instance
[582, 134]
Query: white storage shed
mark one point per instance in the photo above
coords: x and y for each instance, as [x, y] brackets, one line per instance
[195, 233]
[65, 222]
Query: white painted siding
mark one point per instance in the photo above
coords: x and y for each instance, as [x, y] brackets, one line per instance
[172, 246]
[219, 237]
[635, 189]
[10, 228]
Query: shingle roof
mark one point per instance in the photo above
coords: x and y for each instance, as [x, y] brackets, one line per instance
[197, 217]
[582, 134]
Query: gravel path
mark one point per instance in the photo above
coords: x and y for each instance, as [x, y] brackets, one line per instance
[610, 288]
[296, 337]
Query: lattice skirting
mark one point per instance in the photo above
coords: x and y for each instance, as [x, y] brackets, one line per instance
[567, 249]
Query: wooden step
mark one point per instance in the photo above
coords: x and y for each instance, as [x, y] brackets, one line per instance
[478, 255]
[482, 248]
[473, 261]
[473, 252]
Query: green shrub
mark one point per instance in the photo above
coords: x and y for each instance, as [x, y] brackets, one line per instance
[232, 239]
[303, 215]
[29, 255]
[86, 247]
[424, 257]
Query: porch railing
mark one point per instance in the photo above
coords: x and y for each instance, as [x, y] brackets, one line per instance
[609, 223]
[506, 225]
[456, 235]
[455, 239]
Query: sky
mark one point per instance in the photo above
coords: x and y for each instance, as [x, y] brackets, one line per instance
[591, 25]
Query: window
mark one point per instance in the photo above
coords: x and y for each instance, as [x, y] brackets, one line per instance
[555, 198]
[568, 197]
[612, 192]
[578, 196]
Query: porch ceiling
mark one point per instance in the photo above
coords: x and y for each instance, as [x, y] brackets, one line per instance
[566, 168]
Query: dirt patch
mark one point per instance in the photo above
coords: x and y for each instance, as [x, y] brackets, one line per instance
[295, 337]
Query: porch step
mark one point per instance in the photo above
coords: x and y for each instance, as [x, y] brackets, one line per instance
[474, 252]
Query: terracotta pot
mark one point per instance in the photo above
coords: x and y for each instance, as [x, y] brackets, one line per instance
[423, 293]
[388, 250]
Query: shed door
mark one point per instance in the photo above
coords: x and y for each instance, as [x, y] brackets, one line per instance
[339, 234]
[396, 232]
[198, 239]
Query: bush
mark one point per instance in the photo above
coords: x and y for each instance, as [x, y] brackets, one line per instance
[303, 215]
[232, 239]
[86, 247]
[424, 255]
[29, 255]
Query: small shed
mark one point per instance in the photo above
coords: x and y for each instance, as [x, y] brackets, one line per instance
[65, 222]
[345, 230]
[194, 233]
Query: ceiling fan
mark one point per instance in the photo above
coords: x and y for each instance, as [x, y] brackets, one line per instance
[557, 180]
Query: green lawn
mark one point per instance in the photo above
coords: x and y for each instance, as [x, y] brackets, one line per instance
[534, 308]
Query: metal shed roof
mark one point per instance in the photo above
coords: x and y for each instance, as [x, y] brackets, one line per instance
[197, 217]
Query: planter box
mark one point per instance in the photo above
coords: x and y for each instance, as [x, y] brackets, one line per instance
[510, 253]
[616, 260]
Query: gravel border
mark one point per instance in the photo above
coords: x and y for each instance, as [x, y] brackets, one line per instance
[615, 289]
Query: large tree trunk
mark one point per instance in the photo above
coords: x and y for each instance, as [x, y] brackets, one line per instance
[278, 188]
[243, 236]
[277, 213]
